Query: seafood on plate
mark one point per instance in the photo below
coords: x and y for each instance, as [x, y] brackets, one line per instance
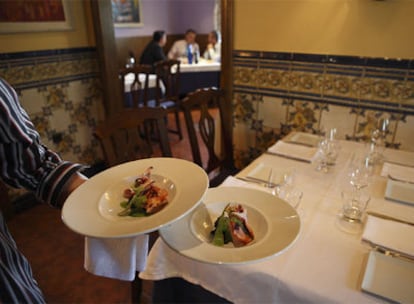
[143, 198]
[232, 226]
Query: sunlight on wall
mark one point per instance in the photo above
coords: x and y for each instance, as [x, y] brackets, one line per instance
[340, 27]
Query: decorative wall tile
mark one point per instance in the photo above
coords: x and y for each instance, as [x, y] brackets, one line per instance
[310, 93]
[60, 90]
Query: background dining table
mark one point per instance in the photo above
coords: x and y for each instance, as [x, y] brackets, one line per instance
[203, 74]
[325, 264]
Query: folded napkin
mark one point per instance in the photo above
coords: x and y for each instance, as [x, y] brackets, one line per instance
[400, 172]
[231, 181]
[294, 151]
[260, 172]
[389, 235]
[303, 138]
[118, 258]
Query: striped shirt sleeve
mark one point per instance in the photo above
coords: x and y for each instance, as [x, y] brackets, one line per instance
[24, 161]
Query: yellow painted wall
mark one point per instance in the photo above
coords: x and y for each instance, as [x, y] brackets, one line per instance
[81, 35]
[339, 27]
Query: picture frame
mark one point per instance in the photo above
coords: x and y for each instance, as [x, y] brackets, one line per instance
[127, 13]
[35, 16]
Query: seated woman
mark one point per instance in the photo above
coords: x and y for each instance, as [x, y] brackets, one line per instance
[213, 50]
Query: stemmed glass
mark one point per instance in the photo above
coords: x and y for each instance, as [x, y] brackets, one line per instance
[287, 191]
[378, 140]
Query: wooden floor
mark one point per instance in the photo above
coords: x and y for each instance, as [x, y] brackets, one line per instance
[56, 253]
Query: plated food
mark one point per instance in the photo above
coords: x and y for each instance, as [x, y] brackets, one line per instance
[232, 226]
[92, 209]
[143, 197]
[275, 223]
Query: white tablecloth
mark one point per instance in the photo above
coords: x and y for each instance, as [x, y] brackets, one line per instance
[202, 66]
[129, 79]
[324, 265]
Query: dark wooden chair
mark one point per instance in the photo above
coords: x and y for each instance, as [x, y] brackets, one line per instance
[122, 139]
[168, 90]
[220, 164]
[137, 91]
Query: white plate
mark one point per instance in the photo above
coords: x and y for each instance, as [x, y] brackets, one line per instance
[275, 223]
[92, 208]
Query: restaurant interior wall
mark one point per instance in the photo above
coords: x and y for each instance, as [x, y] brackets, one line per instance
[173, 16]
[56, 75]
[310, 65]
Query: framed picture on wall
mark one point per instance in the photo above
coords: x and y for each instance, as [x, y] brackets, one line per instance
[126, 13]
[35, 16]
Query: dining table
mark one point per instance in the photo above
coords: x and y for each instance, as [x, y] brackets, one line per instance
[325, 264]
[203, 74]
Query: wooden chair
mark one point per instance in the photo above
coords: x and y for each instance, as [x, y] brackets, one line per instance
[137, 92]
[205, 101]
[123, 138]
[168, 89]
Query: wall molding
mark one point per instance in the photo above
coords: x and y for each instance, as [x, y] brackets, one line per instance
[370, 83]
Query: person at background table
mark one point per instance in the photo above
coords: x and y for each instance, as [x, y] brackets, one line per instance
[213, 49]
[179, 50]
[154, 52]
[26, 163]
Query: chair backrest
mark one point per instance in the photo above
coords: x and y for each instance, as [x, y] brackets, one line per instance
[168, 75]
[124, 136]
[206, 102]
[134, 83]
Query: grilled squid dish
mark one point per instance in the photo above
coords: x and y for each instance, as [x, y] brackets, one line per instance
[232, 226]
[143, 197]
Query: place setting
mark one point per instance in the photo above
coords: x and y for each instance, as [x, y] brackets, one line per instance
[389, 265]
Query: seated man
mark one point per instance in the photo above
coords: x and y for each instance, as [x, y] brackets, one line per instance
[213, 50]
[179, 50]
[153, 52]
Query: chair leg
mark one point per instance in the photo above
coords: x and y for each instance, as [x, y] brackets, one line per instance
[136, 289]
[178, 123]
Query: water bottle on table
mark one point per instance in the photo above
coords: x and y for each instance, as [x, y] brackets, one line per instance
[190, 53]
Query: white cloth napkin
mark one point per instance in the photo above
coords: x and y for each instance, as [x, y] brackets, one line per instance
[293, 151]
[116, 258]
[390, 235]
[231, 181]
[399, 172]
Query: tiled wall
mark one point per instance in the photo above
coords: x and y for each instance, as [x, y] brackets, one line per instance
[60, 90]
[275, 93]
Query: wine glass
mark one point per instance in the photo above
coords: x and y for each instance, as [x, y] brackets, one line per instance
[378, 136]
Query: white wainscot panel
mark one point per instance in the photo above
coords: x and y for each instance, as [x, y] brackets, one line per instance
[271, 112]
[340, 118]
[405, 134]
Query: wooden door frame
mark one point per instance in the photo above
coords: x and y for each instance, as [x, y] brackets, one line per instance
[106, 49]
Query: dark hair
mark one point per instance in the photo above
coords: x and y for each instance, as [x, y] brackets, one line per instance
[216, 35]
[190, 31]
[158, 35]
